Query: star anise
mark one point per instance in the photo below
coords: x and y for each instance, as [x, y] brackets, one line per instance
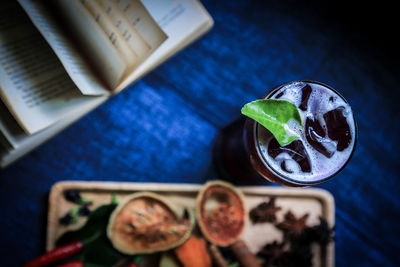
[284, 255]
[292, 226]
[271, 253]
[264, 212]
[296, 258]
[322, 233]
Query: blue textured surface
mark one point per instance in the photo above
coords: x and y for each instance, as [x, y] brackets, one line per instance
[162, 128]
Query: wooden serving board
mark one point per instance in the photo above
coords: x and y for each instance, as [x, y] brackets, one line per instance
[316, 202]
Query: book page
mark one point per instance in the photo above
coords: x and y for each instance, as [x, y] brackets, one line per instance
[4, 145]
[93, 41]
[128, 31]
[182, 21]
[114, 35]
[33, 83]
[29, 142]
[139, 17]
[77, 68]
[9, 127]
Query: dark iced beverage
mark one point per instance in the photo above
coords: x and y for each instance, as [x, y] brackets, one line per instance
[327, 137]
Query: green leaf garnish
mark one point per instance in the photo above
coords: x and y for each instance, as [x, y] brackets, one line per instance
[275, 115]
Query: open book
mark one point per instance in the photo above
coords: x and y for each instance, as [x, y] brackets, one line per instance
[59, 59]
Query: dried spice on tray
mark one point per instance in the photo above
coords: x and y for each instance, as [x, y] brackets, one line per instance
[292, 227]
[80, 210]
[296, 247]
[220, 213]
[265, 212]
[146, 222]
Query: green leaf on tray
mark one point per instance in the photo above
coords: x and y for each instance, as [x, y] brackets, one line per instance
[278, 116]
[98, 250]
[102, 253]
[114, 199]
[95, 225]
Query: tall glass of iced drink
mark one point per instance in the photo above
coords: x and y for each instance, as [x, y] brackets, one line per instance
[325, 141]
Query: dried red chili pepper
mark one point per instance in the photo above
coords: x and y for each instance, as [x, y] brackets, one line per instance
[72, 264]
[56, 254]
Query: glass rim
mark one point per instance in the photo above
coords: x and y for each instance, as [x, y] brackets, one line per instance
[280, 175]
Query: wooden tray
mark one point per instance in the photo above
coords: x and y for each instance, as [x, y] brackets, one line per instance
[316, 202]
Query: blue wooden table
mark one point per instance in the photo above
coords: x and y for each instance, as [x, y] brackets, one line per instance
[162, 128]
